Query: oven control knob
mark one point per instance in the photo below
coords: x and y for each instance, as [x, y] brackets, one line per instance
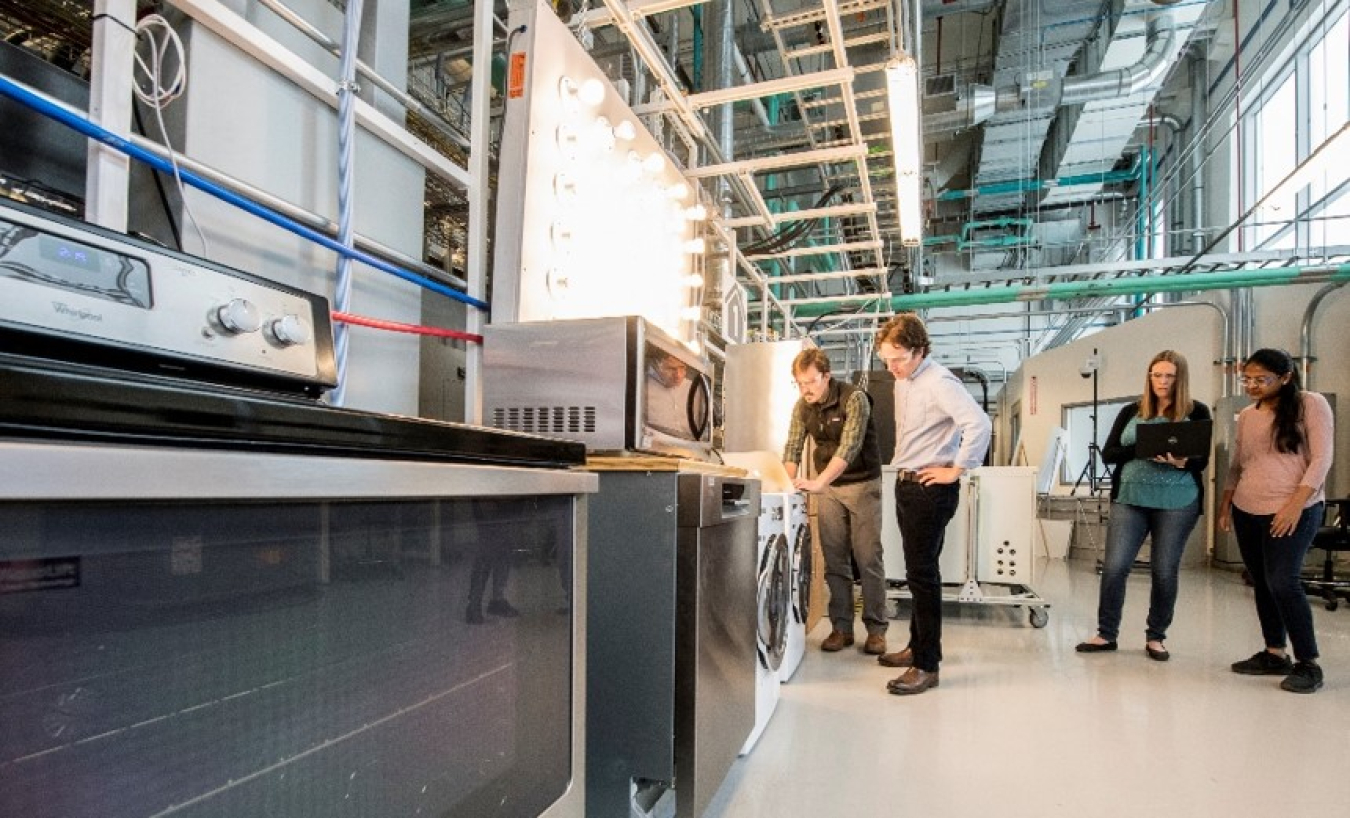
[289, 330]
[239, 316]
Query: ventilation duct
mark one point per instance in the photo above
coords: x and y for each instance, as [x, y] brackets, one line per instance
[1124, 82]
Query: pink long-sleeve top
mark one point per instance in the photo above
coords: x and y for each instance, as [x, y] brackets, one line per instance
[1261, 477]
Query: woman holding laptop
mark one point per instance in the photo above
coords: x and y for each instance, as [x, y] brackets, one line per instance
[1157, 494]
[1273, 501]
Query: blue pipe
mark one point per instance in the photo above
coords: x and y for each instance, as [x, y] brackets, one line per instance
[22, 95]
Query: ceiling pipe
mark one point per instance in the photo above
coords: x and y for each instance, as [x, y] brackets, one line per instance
[1123, 82]
[1189, 282]
[743, 69]
[1305, 356]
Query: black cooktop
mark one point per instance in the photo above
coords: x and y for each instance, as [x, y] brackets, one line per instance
[76, 401]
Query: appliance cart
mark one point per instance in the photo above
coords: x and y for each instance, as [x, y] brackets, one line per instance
[989, 556]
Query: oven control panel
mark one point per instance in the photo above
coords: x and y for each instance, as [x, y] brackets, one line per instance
[72, 280]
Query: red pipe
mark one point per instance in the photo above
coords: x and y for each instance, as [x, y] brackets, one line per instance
[416, 329]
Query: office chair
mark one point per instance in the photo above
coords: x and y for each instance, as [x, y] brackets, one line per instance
[1332, 537]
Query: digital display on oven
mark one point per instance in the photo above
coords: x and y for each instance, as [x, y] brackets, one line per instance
[69, 252]
[74, 266]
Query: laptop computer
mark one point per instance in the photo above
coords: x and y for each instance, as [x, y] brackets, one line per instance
[1186, 438]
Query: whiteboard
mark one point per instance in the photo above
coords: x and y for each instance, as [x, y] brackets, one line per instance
[1054, 454]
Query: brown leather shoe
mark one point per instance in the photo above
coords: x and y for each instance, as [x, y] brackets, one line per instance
[875, 644]
[912, 681]
[837, 640]
[901, 658]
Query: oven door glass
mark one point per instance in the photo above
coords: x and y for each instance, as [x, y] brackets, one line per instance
[285, 659]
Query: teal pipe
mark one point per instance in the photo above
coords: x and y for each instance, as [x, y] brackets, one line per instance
[1189, 282]
[965, 242]
[1023, 185]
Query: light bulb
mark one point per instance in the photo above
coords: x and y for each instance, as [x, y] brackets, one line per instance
[568, 141]
[695, 246]
[562, 234]
[567, 92]
[604, 134]
[679, 190]
[693, 281]
[697, 213]
[592, 92]
[558, 282]
[654, 163]
[564, 188]
[632, 167]
[625, 130]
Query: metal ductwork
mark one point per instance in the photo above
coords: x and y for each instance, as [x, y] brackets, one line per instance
[1124, 82]
[933, 9]
[974, 104]
[1037, 42]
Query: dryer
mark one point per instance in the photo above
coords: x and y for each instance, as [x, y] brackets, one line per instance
[798, 531]
[772, 603]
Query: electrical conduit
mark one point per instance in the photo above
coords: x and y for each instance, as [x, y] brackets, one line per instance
[351, 35]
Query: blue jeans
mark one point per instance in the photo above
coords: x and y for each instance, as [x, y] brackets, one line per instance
[923, 513]
[1125, 534]
[1275, 564]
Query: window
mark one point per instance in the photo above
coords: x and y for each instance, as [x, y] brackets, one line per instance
[1310, 91]
[1078, 421]
[1276, 157]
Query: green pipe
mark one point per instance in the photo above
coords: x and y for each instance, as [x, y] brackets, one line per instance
[1022, 185]
[1189, 282]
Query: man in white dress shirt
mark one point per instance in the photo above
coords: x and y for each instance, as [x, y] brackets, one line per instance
[940, 433]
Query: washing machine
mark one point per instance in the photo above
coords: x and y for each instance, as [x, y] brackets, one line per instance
[799, 585]
[773, 601]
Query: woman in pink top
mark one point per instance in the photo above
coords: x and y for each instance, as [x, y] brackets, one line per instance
[1273, 501]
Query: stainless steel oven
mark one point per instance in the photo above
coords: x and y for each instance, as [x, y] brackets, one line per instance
[615, 384]
[219, 596]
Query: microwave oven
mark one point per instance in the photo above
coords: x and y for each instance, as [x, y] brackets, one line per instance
[615, 384]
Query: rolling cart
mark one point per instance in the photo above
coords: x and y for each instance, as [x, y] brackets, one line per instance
[989, 544]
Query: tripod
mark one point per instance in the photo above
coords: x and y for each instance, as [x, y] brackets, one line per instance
[1089, 471]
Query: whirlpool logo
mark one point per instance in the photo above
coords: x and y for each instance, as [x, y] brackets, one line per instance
[78, 313]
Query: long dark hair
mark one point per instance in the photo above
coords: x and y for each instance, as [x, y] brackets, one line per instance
[1288, 407]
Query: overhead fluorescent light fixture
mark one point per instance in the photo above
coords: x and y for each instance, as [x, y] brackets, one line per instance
[902, 90]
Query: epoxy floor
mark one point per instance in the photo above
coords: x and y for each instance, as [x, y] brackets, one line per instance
[1021, 725]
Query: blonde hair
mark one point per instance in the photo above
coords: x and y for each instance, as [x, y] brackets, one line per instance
[1181, 389]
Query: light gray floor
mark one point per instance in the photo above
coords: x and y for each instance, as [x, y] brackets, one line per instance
[1024, 726]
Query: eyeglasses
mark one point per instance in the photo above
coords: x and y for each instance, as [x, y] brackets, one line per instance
[1259, 380]
[1162, 376]
[807, 384]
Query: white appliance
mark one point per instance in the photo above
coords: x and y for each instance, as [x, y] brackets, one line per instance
[997, 509]
[952, 563]
[1005, 519]
[799, 585]
[772, 602]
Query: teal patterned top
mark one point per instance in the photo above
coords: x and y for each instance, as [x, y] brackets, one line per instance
[1148, 484]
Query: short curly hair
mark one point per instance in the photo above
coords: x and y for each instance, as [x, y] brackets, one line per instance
[811, 358]
[907, 331]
